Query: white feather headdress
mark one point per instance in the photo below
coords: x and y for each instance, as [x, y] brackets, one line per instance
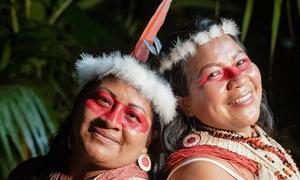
[184, 50]
[129, 70]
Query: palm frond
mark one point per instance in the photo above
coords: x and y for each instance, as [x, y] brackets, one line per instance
[25, 125]
[274, 34]
[247, 18]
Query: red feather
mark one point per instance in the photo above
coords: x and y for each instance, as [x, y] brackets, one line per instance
[141, 52]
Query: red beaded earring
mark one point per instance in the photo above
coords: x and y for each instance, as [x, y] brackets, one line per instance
[193, 138]
[144, 162]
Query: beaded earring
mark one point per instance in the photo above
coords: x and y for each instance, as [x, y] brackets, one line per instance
[193, 138]
[144, 162]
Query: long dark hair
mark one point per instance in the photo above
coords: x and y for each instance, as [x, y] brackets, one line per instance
[180, 127]
[60, 146]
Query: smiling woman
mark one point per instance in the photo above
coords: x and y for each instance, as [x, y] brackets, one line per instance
[223, 108]
[115, 119]
[112, 129]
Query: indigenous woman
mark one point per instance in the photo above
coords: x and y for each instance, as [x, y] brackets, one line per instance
[225, 118]
[118, 114]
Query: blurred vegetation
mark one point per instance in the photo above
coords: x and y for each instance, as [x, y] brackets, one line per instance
[41, 39]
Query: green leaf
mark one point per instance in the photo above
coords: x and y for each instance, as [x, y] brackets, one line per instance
[274, 33]
[14, 18]
[33, 119]
[17, 115]
[23, 128]
[5, 56]
[86, 4]
[289, 18]
[11, 130]
[37, 11]
[247, 18]
[24, 118]
[275, 25]
[27, 8]
[4, 143]
[61, 8]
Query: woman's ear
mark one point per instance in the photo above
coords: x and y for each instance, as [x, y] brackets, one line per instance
[184, 106]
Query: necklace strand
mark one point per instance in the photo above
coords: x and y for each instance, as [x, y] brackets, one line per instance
[255, 142]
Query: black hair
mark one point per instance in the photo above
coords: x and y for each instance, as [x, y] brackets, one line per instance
[60, 146]
[174, 132]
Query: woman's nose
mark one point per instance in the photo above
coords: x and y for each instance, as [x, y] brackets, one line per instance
[237, 82]
[115, 116]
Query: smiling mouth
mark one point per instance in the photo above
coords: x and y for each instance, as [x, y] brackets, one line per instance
[244, 100]
[101, 135]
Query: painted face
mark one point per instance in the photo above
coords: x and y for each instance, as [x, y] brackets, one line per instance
[105, 105]
[224, 86]
[115, 125]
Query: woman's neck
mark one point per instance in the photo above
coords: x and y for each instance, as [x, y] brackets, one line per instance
[246, 132]
[80, 168]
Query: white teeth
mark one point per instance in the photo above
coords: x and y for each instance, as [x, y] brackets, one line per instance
[242, 99]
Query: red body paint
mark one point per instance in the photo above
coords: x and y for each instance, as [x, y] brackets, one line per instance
[110, 109]
[227, 72]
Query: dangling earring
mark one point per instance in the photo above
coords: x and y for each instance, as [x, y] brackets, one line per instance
[144, 162]
[193, 138]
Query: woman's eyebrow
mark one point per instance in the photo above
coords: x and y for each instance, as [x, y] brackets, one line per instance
[136, 106]
[207, 66]
[237, 53]
[109, 91]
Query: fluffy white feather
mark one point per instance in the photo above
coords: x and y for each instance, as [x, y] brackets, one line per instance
[181, 51]
[186, 49]
[201, 38]
[166, 63]
[215, 31]
[230, 27]
[129, 70]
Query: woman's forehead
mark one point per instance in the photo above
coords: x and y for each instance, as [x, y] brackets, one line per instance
[217, 51]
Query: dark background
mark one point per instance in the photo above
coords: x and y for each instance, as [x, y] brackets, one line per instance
[41, 39]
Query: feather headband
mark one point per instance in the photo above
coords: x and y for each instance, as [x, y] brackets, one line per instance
[183, 50]
[131, 70]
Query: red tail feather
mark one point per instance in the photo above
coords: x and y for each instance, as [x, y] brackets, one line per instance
[141, 51]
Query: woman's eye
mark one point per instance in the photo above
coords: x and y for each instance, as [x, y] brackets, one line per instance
[214, 75]
[241, 62]
[104, 101]
[132, 117]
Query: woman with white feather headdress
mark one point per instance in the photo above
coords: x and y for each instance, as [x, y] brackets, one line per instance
[225, 116]
[118, 114]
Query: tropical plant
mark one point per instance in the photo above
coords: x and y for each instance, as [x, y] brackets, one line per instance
[25, 124]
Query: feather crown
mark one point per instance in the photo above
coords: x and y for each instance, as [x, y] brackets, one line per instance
[183, 50]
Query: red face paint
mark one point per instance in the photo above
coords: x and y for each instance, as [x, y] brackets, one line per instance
[108, 108]
[226, 73]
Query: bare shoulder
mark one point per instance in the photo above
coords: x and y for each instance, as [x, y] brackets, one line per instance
[200, 170]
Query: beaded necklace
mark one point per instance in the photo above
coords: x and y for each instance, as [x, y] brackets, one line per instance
[255, 142]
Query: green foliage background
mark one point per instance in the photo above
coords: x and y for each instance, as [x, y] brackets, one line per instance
[41, 39]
